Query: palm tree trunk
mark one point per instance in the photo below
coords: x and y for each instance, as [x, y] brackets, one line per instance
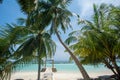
[109, 66]
[39, 68]
[116, 68]
[79, 65]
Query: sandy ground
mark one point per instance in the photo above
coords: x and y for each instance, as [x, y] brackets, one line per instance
[57, 75]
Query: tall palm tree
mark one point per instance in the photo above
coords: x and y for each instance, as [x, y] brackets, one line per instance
[35, 23]
[60, 18]
[98, 42]
[37, 45]
[55, 13]
[31, 42]
[38, 40]
[33, 46]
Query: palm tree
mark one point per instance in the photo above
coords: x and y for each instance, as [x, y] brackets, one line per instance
[32, 42]
[98, 42]
[37, 40]
[1, 1]
[115, 12]
[4, 52]
[35, 23]
[8, 39]
[40, 43]
[54, 12]
[33, 46]
[60, 17]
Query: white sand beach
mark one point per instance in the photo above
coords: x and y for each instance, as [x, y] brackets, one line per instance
[60, 75]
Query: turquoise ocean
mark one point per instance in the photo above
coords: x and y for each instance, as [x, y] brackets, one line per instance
[68, 67]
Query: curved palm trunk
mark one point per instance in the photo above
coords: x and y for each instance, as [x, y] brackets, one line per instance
[117, 69]
[109, 66]
[79, 65]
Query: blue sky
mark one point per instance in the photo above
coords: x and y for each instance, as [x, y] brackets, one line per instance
[10, 12]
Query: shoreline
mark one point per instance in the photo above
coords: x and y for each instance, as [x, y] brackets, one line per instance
[60, 75]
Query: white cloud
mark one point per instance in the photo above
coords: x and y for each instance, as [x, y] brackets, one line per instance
[87, 6]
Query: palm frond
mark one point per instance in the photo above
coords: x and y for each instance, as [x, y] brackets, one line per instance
[21, 21]
[26, 6]
[96, 16]
[71, 39]
[1, 1]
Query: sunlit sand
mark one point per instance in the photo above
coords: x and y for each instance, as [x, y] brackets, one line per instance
[60, 75]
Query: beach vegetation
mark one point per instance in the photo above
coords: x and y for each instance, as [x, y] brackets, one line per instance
[8, 40]
[28, 42]
[98, 41]
[21, 45]
[53, 14]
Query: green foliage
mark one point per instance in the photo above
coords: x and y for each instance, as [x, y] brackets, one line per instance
[26, 5]
[18, 46]
[99, 39]
[57, 14]
[8, 39]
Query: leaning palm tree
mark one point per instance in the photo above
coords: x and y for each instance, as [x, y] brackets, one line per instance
[54, 13]
[98, 41]
[60, 18]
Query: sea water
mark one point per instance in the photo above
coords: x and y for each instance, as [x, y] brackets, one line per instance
[69, 67]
